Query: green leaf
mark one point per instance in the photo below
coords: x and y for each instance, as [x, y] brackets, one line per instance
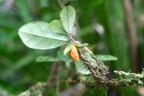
[81, 68]
[68, 48]
[57, 26]
[67, 16]
[106, 57]
[82, 45]
[39, 35]
[64, 58]
[46, 59]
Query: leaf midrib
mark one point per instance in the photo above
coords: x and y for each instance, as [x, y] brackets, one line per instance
[43, 36]
[61, 27]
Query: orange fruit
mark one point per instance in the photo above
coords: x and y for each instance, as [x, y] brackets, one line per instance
[74, 53]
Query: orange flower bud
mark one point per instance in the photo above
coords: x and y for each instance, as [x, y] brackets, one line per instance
[74, 53]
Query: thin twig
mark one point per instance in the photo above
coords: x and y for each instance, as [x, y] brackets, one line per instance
[51, 79]
[58, 81]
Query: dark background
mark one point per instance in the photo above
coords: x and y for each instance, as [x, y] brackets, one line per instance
[113, 27]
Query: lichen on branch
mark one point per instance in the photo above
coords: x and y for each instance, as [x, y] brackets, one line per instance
[99, 72]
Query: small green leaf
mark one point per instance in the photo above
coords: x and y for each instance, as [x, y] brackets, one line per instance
[82, 45]
[64, 58]
[81, 68]
[106, 57]
[57, 26]
[68, 48]
[67, 16]
[39, 35]
[46, 59]
[78, 44]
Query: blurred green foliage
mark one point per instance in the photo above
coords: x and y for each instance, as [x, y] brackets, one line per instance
[101, 23]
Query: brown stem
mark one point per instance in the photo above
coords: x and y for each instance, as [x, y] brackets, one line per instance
[58, 81]
[100, 79]
[131, 31]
